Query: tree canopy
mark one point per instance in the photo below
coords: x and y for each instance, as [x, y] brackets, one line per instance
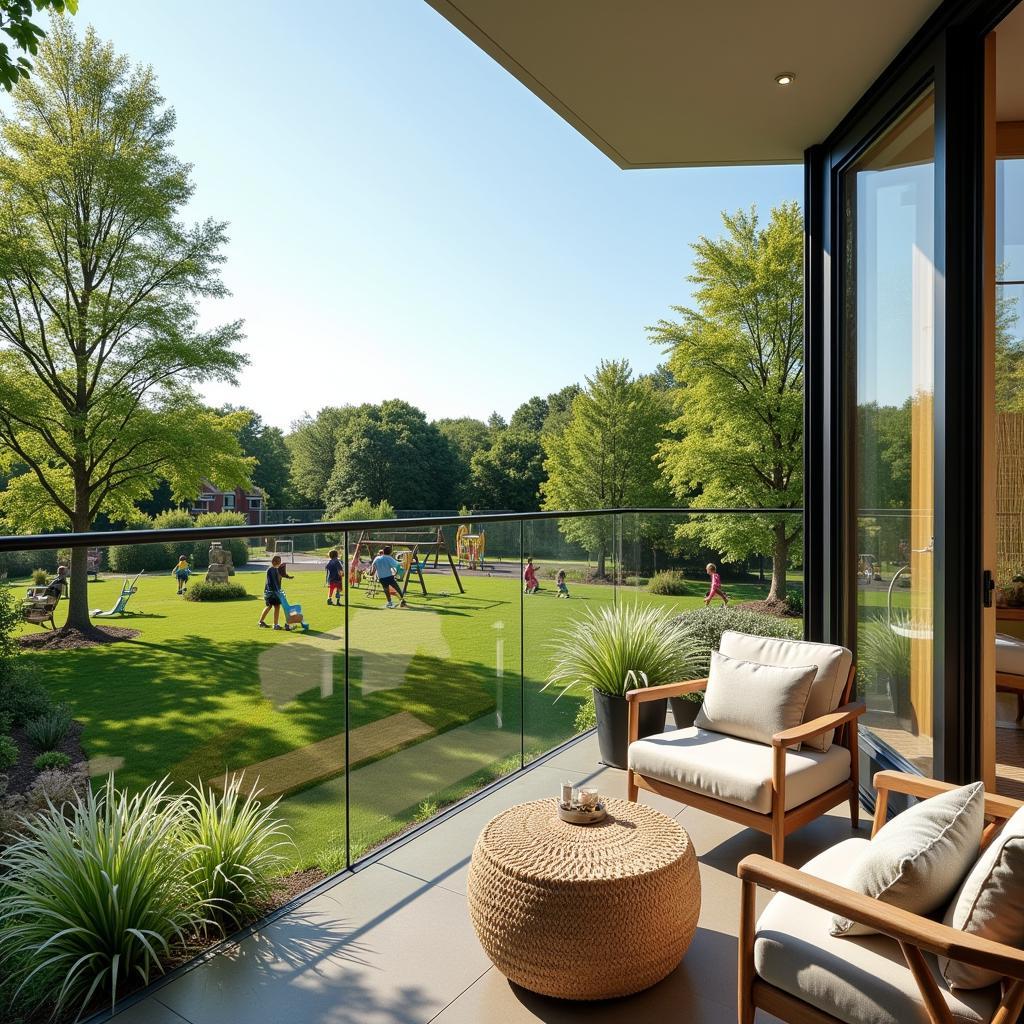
[266, 445]
[313, 443]
[738, 359]
[100, 351]
[17, 24]
[507, 475]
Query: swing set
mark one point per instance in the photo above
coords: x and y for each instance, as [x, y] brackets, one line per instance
[407, 546]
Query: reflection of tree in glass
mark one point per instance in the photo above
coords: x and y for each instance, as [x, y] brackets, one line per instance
[1009, 351]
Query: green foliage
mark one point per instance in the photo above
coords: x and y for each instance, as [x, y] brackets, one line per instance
[8, 752]
[738, 356]
[204, 591]
[234, 847]
[882, 652]
[201, 549]
[313, 443]
[272, 467]
[466, 437]
[18, 564]
[98, 893]
[705, 626]
[51, 759]
[103, 286]
[616, 649]
[39, 576]
[604, 458]
[795, 602]
[669, 583]
[54, 786]
[507, 476]
[162, 556]
[363, 509]
[22, 696]
[46, 731]
[389, 452]
[16, 22]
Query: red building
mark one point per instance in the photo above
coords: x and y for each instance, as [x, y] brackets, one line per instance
[250, 503]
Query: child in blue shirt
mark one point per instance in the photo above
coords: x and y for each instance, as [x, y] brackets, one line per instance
[385, 567]
[335, 583]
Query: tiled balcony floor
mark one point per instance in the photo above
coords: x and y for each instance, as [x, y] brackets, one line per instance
[392, 943]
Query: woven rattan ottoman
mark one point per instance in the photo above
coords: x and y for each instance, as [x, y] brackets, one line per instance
[584, 911]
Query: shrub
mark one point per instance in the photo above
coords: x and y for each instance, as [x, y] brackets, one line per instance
[795, 602]
[46, 731]
[19, 564]
[8, 752]
[882, 652]
[133, 558]
[98, 893]
[615, 649]
[238, 547]
[204, 591]
[705, 626]
[234, 848]
[669, 583]
[636, 581]
[22, 696]
[39, 577]
[54, 786]
[51, 759]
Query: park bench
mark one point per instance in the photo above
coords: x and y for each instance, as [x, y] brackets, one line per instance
[39, 606]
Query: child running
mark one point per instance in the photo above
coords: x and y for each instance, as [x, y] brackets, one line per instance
[385, 567]
[272, 594]
[530, 583]
[716, 586]
[181, 573]
[335, 584]
[563, 590]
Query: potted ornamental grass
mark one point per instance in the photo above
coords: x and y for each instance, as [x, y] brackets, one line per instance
[615, 650]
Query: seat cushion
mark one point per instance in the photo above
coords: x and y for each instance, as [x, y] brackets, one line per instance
[990, 902]
[827, 689]
[734, 770]
[1009, 654]
[753, 701]
[861, 980]
[918, 860]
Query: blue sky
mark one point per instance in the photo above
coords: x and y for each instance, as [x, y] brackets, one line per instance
[406, 219]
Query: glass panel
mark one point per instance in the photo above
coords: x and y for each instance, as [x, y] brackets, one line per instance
[889, 320]
[435, 706]
[1010, 220]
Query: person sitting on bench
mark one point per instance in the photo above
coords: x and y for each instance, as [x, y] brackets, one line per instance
[57, 587]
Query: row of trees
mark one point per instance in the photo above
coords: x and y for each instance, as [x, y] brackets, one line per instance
[101, 357]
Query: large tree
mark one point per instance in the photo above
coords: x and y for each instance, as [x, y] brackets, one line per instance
[605, 456]
[272, 457]
[313, 442]
[738, 358]
[389, 452]
[100, 352]
[26, 35]
[506, 477]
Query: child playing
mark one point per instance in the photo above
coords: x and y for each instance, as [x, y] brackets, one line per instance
[334, 581]
[181, 573]
[716, 586]
[385, 567]
[272, 594]
[530, 583]
[563, 590]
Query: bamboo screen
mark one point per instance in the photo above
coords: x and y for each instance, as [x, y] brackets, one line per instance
[1009, 495]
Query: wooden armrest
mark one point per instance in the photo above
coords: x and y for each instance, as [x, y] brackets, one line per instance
[666, 690]
[816, 726]
[916, 785]
[899, 924]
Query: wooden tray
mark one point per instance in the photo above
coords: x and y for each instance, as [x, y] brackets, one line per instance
[576, 816]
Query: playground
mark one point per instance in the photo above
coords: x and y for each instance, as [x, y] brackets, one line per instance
[435, 708]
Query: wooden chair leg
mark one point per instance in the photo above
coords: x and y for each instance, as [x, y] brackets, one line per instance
[779, 839]
[1020, 706]
[632, 789]
[745, 972]
[778, 803]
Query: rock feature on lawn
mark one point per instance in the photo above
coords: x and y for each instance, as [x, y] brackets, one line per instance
[70, 638]
[278, 776]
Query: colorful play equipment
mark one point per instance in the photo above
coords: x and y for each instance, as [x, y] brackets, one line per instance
[293, 613]
[410, 548]
[470, 547]
[127, 589]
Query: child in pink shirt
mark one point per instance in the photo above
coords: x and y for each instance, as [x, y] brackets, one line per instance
[716, 585]
[530, 584]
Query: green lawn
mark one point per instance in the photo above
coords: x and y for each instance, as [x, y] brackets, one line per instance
[202, 691]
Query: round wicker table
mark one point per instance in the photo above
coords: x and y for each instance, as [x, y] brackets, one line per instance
[584, 911]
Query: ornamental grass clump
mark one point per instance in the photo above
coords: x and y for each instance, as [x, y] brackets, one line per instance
[46, 731]
[96, 894]
[605, 650]
[234, 847]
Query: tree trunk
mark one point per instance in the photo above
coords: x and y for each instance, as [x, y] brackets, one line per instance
[780, 560]
[78, 599]
[601, 562]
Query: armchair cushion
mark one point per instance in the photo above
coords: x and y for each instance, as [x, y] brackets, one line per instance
[734, 770]
[861, 980]
[918, 860]
[990, 902]
[752, 701]
[827, 688]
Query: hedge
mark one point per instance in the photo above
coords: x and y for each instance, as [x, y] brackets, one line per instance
[163, 556]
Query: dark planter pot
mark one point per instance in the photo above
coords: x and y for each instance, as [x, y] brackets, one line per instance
[684, 711]
[613, 725]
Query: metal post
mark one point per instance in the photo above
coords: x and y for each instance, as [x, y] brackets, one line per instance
[522, 647]
[348, 731]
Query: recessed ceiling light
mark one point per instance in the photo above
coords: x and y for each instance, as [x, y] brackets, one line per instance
[786, 78]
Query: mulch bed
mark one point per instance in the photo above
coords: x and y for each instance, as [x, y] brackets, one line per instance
[70, 638]
[21, 774]
[779, 609]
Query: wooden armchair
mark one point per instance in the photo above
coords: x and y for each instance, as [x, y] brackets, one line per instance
[886, 977]
[39, 607]
[774, 789]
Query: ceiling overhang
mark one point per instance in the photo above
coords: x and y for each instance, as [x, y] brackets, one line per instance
[688, 83]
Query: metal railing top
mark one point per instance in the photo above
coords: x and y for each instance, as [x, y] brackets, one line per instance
[102, 538]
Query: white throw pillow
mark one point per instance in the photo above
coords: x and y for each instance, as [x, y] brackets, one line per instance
[990, 903]
[752, 701]
[918, 860]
